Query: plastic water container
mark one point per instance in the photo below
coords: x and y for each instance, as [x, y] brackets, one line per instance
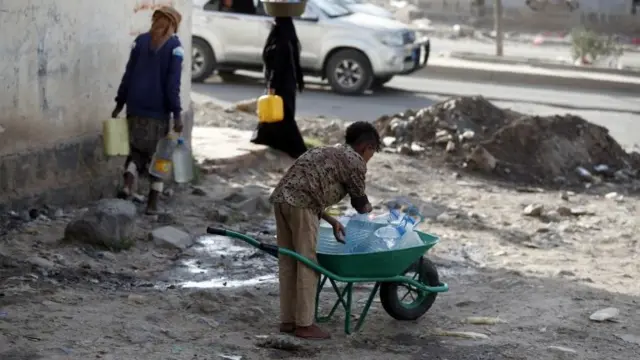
[360, 236]
[182, 163]
[389, 234]
[327, 242]
[408, 240]
[162, 160]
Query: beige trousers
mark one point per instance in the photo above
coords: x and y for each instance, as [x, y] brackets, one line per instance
[297, 230]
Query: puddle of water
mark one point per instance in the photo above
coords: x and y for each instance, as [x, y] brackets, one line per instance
[224, 282]
[222, 245]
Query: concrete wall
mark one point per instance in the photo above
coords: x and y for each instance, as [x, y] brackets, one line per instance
[61, 62]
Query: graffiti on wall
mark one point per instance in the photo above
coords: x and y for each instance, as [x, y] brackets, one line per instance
[142, 12]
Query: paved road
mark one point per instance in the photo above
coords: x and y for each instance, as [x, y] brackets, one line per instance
[546, 52]
[621, 114]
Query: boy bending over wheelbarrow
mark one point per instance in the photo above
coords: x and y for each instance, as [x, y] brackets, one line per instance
[319, 178]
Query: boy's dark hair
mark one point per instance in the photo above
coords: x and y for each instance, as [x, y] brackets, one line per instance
[362, 132]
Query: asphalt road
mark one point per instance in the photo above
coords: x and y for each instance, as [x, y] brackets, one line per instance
[620, 113]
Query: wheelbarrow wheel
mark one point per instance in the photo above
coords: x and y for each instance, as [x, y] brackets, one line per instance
[404, 302]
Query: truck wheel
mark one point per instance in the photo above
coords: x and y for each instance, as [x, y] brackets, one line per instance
[404, 302]
[379, 82]
[203, 60]
[349, 72]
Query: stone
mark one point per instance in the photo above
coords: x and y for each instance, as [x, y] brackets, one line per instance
[467, 135]
[388, 141]
[564, 211]
[41, 263]
[606, 314]
[481, 159]
[632, 339]
[170, 237]
[451, 147]
[611, 195]
[218, 214]
[110, 223]
[405, 149]
[533, 210]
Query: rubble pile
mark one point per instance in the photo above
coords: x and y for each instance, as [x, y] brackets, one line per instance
[472, 133]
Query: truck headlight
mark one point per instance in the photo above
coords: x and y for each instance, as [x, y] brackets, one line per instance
[392, 38]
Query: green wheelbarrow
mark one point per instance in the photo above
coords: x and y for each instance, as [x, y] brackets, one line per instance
[408, 282]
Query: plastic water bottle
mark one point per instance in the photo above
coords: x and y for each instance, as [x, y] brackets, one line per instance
[359, 235]
[327, 242]
[182, 163]
[162, 160]
[389, 234]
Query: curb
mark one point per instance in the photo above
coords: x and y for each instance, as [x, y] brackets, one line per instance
[524, 79]
[540, 64]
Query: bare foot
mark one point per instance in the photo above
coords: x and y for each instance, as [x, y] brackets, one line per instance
[312, 332]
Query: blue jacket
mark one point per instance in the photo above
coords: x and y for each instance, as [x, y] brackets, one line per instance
[150, 86]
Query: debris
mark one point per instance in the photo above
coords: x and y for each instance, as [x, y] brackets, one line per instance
[462, 334]
[562, 349]
[607, 314]
[515, 146]
[279, 342]
[484, 320]
[168, 236]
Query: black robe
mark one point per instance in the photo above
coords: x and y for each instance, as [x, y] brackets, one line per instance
[281, 57]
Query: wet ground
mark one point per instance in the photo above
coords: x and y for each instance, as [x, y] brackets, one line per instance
[541, 276]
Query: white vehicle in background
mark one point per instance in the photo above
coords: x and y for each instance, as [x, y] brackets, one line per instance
[361, 6]
[353, 51]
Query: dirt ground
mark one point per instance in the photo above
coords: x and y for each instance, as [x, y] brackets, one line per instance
[543, 274]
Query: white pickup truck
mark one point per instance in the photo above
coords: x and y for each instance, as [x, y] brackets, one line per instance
[352, 51]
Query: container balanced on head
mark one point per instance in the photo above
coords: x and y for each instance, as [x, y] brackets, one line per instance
[319, 178]
[150, 89]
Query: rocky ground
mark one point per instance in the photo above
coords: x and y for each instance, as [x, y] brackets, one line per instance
[541, 261]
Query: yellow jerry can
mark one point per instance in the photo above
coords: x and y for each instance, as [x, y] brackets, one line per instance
[115, 136]
[270, 108]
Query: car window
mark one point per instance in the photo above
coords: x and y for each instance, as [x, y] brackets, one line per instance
[235, 6]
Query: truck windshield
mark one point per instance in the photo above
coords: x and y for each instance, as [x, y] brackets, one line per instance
[332, 9]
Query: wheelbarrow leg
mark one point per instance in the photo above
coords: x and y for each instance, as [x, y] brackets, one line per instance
[364, 312]
[340, 300]
[346, 303]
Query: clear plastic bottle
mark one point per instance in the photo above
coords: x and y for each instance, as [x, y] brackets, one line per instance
[327, 242]
[389, 234]
[182, 163]
[162, 160]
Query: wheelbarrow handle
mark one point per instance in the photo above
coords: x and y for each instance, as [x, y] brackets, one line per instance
[216, 231]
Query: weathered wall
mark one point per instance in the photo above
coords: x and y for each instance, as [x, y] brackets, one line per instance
[61, 62]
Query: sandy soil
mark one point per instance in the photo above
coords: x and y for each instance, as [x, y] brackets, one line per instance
[543, 275]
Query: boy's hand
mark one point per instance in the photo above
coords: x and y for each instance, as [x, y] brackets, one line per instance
[338, 228]
[338, 231]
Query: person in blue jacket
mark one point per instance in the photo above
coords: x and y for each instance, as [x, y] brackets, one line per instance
[150, 89]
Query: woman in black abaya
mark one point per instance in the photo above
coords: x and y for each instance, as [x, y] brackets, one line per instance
[281, 56]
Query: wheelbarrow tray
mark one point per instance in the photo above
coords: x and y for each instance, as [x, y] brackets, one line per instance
[382, 264]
